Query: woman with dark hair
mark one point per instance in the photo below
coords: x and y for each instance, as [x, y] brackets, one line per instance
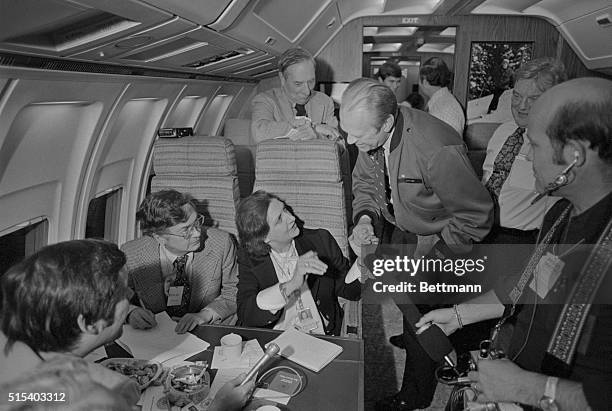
[289, 277]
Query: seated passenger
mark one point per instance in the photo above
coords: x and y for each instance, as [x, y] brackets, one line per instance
[60, 304]
[289, 277]
[508, 170]
[435, 77]
[560, 350]
[179, 266]
[294, 109]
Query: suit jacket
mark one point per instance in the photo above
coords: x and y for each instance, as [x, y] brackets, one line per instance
[433, 185]
[258, 273]
[213, 282]
[272, 112]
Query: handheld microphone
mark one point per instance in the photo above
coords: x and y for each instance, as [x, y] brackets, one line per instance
[271, 351]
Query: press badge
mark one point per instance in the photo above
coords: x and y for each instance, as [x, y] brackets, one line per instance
[547, 272]
[305, 321]
[175, 295]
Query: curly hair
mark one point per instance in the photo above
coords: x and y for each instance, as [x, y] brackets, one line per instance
[163, 209]
[43, 296]
[436, 72]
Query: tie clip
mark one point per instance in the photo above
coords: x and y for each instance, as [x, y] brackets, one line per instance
[409, 180]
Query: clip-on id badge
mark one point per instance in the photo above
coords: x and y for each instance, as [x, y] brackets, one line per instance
[547, 272]
[175, 295]
[306, 322]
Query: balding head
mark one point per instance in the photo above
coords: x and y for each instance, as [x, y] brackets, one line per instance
[577, 110]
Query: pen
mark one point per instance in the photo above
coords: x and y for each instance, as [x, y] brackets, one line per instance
[424, 328]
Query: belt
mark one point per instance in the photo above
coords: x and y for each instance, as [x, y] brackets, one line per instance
[516, 232]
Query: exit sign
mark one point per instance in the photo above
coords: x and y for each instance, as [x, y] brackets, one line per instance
[410, 20]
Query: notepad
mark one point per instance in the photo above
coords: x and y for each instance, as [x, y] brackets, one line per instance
[307, 350]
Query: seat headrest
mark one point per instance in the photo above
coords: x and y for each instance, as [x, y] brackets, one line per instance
[310, 160]
[201, 155]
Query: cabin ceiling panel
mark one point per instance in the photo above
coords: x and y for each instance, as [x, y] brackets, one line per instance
[199, 11]
[65, 28]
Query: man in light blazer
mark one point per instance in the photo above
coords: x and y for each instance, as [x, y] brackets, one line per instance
[179, 266]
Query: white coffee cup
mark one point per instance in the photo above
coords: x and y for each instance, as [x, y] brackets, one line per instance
[231, 345]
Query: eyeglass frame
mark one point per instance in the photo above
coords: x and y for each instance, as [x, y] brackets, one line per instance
[196, 225]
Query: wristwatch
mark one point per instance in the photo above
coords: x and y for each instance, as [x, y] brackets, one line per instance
[547, 402]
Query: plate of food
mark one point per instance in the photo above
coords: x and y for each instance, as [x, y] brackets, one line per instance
[143, 372]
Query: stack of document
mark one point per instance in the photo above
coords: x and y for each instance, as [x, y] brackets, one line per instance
[306, 350]
[161, 343]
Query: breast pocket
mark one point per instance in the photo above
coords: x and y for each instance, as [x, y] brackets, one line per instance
[521, 175]
[420, 200]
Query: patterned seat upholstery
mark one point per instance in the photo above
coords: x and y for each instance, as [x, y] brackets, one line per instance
[308, 175]
[204, 167]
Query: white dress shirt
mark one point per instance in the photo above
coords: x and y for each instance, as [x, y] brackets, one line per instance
[518, 191]
[443, 105]
[271, 298]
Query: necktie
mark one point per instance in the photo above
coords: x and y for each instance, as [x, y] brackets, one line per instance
[300, 110]
[503, 162]
[380, 183]
[180, 280]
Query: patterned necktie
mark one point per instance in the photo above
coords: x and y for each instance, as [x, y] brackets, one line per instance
[503, 162]
[180, 280]
[300, 110]
[380, 183]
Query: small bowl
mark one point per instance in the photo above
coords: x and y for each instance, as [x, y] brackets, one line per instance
[135, 370]
[180, 386]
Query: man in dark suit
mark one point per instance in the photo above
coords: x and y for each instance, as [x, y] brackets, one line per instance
[180, 267]
[289, 277]
[414, 183]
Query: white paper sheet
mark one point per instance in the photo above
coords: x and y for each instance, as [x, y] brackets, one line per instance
[251, 353]
[161, 342]
[271, 395]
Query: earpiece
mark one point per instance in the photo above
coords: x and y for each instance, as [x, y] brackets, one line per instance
[562, 179]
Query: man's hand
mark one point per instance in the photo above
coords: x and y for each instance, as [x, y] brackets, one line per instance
[232, 396]
[303, 132]
[445, 318]
[327, 131]
[191, 320]
[363, 234]
[141, 319]
[504, 381]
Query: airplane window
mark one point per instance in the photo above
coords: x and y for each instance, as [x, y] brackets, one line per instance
[103, 216]
[186, 112]
[21, 243]
[211, 123]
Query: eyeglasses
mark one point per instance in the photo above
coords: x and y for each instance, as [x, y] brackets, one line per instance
[518, 98]
[189, 230]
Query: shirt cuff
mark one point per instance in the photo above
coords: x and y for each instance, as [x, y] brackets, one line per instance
[271, 299]
[353, 274]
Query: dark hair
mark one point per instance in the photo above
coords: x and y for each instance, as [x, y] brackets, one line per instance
[252, 222]
[43, 295]
[389, 69]
[416, 101]
[368, 94]
[436, 72]
[163, 209]
[583, 120]
[293, 56]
